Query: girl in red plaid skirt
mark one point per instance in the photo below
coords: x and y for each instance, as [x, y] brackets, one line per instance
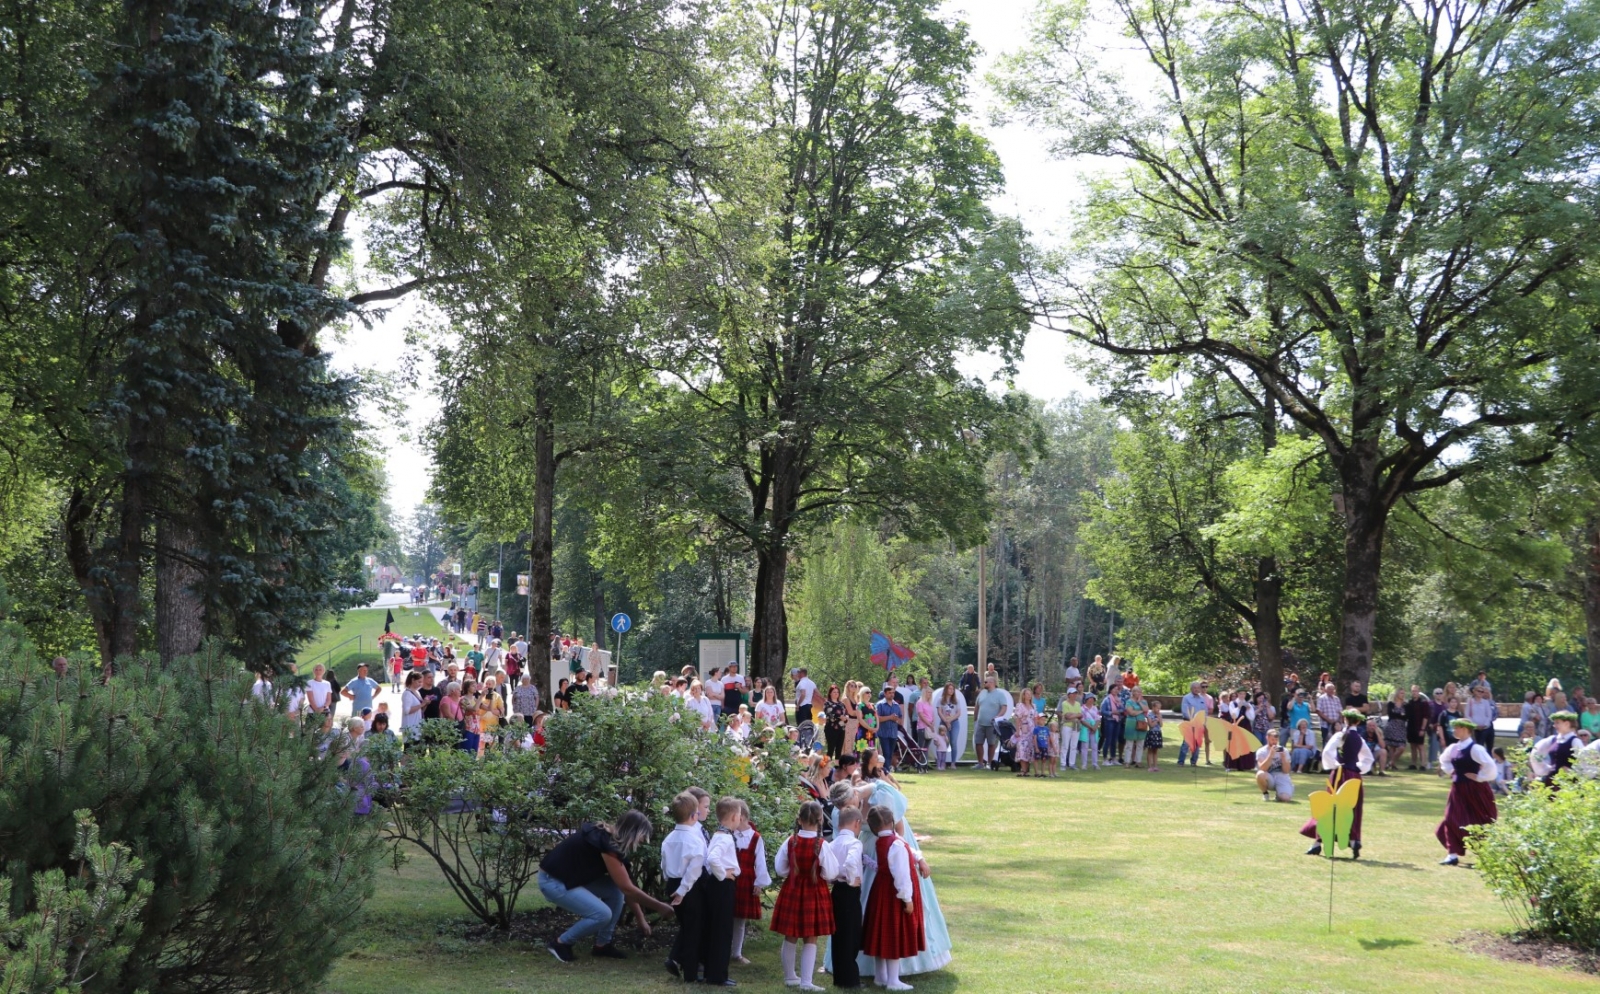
[753, 879]
[892, 929]
[804, 910]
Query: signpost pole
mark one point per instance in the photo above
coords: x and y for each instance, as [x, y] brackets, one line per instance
[620, 623]
[499, 585]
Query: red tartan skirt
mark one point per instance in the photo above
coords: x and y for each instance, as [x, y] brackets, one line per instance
[746, 902]
[804, 909]
[888, 932]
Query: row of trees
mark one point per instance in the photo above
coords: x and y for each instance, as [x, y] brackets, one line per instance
[1337, 275]
[706, 270]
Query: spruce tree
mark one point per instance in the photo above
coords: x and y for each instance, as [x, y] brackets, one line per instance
[232, 437]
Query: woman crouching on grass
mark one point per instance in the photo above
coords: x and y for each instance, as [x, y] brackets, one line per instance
[585, 875]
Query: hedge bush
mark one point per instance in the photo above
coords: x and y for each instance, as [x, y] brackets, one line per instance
[1542, 857]
[256, 860]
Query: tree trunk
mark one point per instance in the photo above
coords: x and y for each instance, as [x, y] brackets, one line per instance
[180, 586]
[1364, 518]
[720, 597]
[770, 639]
[597, 599]
[1269, 627]
[541, 544]
[1591, 601]
[1268, 619]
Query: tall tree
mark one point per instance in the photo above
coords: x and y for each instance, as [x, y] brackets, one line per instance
[594, 120]
[1380, 211]
[1212, 543]
[815, 310]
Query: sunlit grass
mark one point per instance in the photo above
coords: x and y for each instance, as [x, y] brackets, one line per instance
[1110, 881]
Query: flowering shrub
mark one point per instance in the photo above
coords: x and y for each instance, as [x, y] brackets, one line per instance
[1540, 857]
[488, 822]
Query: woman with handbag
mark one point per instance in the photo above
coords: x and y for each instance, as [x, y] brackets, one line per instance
[1135, 725]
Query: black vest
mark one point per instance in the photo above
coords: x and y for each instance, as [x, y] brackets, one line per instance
[1350, 751]
[1463, 762]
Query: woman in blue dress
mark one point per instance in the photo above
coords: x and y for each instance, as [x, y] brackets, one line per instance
[874, 792]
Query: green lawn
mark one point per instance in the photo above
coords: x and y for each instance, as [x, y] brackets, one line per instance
[336, 635]
[1116, 881]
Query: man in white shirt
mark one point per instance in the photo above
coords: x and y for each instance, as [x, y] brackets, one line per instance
[805, 695]
[1074, 675]
[319, 692]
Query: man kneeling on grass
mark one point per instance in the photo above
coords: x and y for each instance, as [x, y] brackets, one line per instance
[1272, 770]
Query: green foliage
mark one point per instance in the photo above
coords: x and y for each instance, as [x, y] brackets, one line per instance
[1388, 229]
[815, 306]
[856, 579]
[77, 928]
[488, 822]
[1539, 858]
[480, 821]
[204, 456]
[255, 862]
[1182, 529]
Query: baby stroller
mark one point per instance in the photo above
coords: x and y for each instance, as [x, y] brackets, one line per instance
[911, 754]
[806, 734]
[809, 792]
[1008, 746]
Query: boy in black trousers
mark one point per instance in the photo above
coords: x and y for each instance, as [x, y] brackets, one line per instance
[847, 900]
[722, 869]
[683, 860]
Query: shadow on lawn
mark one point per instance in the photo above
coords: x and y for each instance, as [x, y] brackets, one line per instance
[1375, 945]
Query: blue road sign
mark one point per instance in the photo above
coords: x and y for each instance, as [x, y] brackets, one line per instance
[621, 623]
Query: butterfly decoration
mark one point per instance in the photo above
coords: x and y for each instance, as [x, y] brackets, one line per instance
[888, 653]
[1240, 740]
[1194, 732]
[1335, 812]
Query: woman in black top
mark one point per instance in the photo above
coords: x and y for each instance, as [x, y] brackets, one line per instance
[833, 716]
[585, 875]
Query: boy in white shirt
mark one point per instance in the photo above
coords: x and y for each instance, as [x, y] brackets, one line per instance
[846, 939]
[683, 860]
[722, 863]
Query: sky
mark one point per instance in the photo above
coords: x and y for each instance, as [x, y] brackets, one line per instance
[1039, 190]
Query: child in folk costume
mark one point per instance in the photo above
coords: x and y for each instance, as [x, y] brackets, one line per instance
[723, 870]
[1554, 753]
[846, 943]
[753, 878]
[1346, 757]
[683, 860]
[1471, 771]
[893, 928]
[804, 909]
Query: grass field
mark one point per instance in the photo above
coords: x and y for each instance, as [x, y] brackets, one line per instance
[1109, 881]
[334, 634]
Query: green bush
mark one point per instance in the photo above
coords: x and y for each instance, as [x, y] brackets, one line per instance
[488, 822]
[258, 864]
[1541, 858]
[80, 926]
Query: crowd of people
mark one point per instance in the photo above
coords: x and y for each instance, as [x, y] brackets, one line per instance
[851, 739]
